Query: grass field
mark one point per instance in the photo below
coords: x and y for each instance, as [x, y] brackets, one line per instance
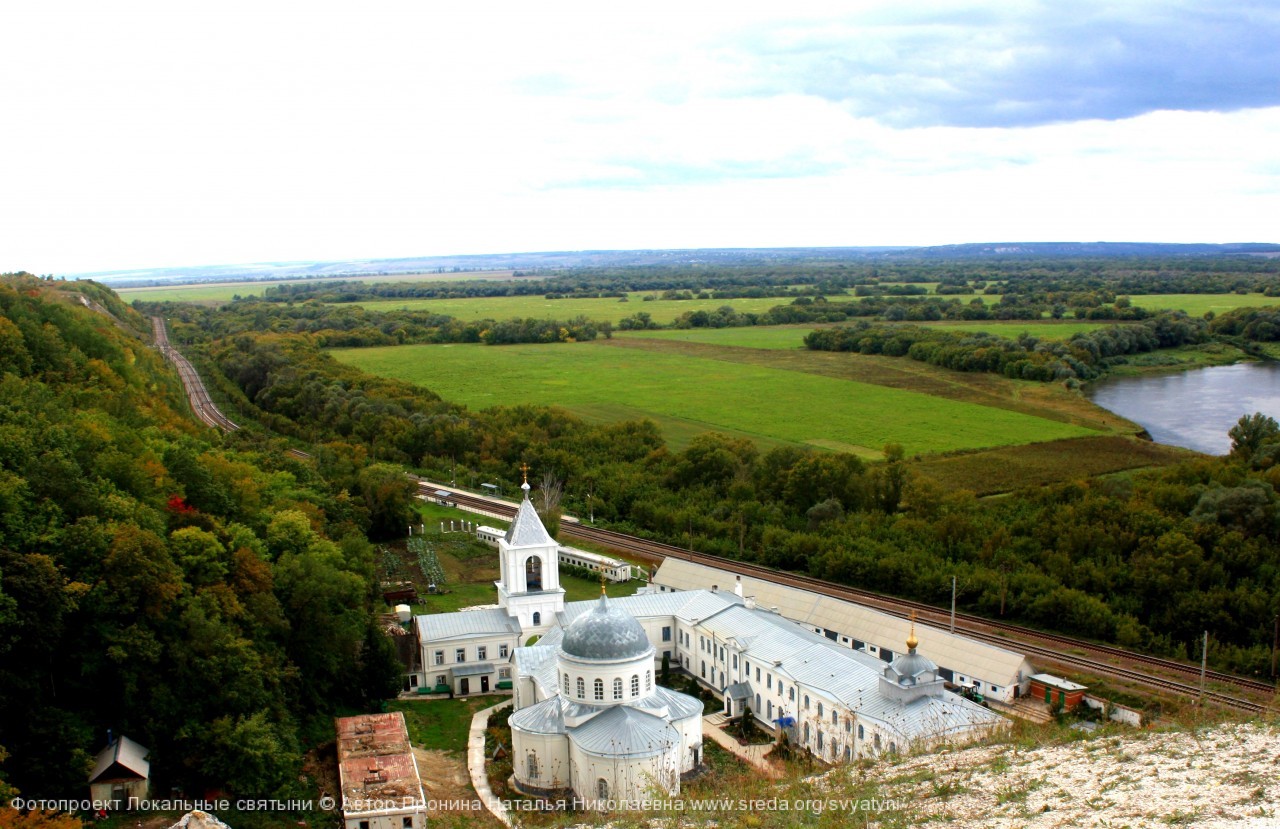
[610, 309]
[225, 291]
[1198, 304]
[792, 336]
[442, 724]
[680, 390]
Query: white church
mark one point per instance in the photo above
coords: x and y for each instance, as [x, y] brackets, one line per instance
[591, 721]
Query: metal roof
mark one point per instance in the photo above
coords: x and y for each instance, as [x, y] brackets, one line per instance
[545, 717]
[624, 732]
[996, 665]
[127, 753]
[738, 690]
[439, 627]
[607, 633]
[526, 528]
[474, 669]
[679, 706]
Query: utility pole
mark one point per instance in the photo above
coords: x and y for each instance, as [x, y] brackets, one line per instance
[953, 604]
[1204, 662]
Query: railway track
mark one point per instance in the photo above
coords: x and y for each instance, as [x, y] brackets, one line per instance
[1032, 642]
[197, 394]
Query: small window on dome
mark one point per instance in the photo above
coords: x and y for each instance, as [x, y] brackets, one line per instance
[635, 685]
[597, 688]
[617, 688]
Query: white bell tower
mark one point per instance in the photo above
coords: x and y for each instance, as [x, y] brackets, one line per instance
[530, 588]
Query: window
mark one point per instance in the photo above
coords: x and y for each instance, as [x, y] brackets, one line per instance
[769, 684]
[791, 694]
[413, 681]
[566, 685]
[861, 734]
[602, 789]
[504, 673]
[806, 702]
[441, 679]
[635, 685]
[439, 657]
[502, 652]
[806, 732]
[617, 687]
[735, 662]
[482, 653]
[877, 742]
[721, 653]
[533, 765]
[537, 619]
[893, 748]
[746, 667]
[995, 689]
[757, 705]
[835, 719]
[460, 655]
[769, 708]
[702, 669]
[407, 822]
[666, 633]
[597, 689]
[819, 709]
[582, 689]
[648, 680]
[819, 740]
[364, 824]
[757, 674]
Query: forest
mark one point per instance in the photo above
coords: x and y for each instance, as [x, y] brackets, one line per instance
[208, 597]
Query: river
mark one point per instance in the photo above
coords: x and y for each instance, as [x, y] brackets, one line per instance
[1193, 408]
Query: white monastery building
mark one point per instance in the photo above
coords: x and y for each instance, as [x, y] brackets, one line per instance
[590, 718]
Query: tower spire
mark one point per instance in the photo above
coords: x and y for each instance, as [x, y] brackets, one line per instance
[524, 470]
[912, 641]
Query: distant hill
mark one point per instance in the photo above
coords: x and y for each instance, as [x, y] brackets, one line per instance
[558, 260]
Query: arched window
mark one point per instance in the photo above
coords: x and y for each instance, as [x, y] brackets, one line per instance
[602, 789]
[635, 685]
[835, 717]
[806, 732]
[533, 765]
[597, 688]
[862, 735]
[617, 687]
[702, 670]
[533, 574]
[757, 703]
[819, 740]
[893, 748]
[819, 709]
[537, 619]
[582, 689]
[566, 685]
[648, 680]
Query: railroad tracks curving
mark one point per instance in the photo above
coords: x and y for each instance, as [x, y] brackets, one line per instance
[197, 394]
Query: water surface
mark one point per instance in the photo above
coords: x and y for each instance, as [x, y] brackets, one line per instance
[1194, 408]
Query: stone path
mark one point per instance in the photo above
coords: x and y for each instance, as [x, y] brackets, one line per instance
[755, 755]
[475, 762]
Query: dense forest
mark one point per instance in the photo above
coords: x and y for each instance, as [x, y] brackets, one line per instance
[208, 597]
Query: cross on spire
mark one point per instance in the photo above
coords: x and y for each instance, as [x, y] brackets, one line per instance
[912, 641]
[524, 470]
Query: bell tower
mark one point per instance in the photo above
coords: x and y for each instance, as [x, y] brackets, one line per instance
[529, 589]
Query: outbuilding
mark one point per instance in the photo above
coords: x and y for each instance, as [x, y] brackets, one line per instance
[120, 771]
[1056, 691]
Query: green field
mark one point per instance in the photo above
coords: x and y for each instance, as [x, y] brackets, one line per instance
[792, 336]
[610, 309]
[226, 291]
[1198, 304]
[688, 394]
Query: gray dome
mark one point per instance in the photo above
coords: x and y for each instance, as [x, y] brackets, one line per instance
[605, 632]
[912, 664]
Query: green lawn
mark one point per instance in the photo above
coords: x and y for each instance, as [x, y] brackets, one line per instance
[1045, 329]
[687, 392]
[1198, 304]
[608, 309]
[442, 724]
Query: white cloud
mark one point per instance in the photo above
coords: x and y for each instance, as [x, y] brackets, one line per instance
[154, 134]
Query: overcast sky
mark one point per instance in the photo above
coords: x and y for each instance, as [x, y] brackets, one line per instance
[174, 133]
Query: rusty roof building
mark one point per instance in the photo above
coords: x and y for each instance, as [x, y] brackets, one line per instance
[381, 787]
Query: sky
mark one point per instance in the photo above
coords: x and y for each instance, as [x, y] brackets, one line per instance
[141, 134]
